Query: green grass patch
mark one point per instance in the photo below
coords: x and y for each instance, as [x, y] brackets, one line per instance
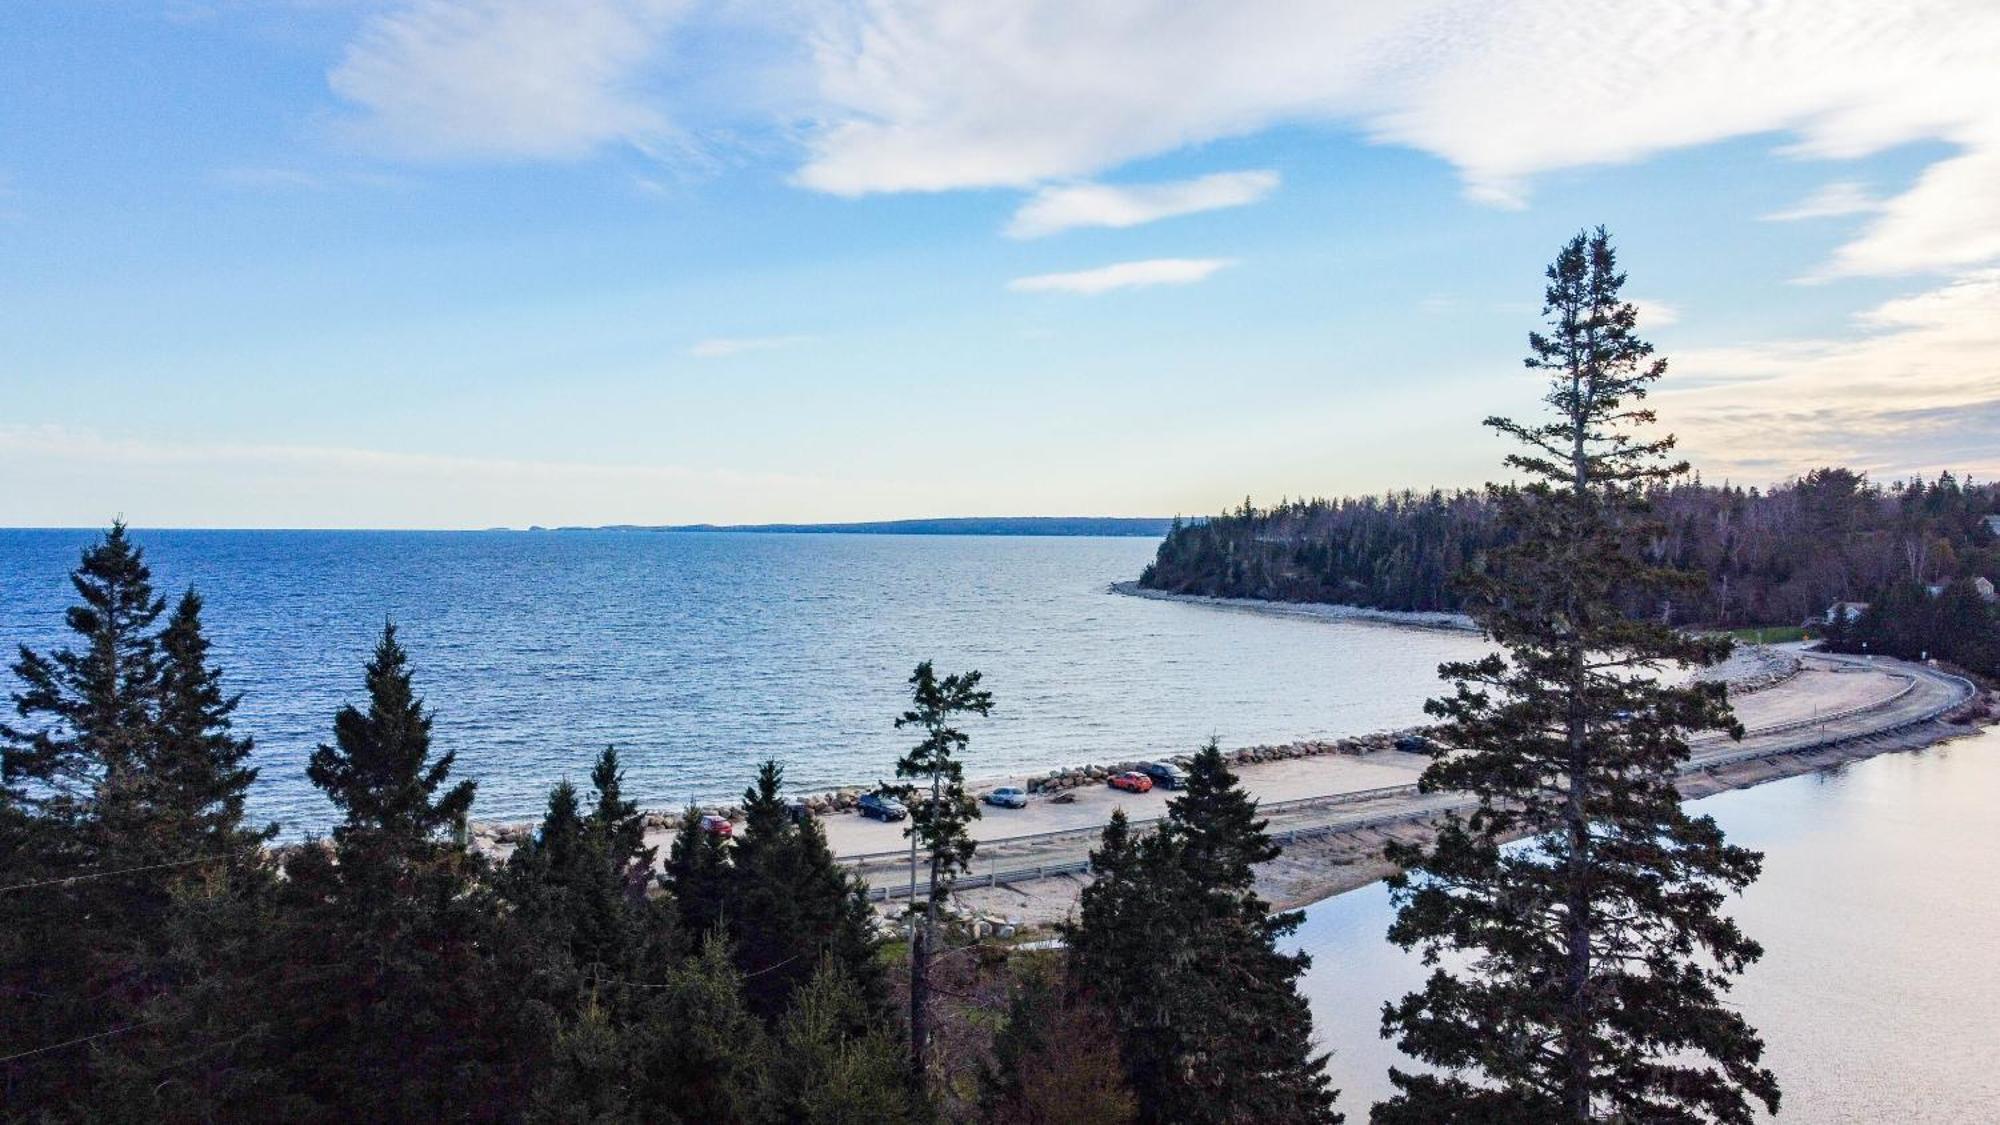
[1769, 634]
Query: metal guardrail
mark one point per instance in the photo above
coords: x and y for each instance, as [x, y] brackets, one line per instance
[1966, 691]
[1324, 801]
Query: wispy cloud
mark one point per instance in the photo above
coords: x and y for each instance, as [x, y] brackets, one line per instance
[1915, 389]
[1124, 275]
[722, 346]
[1844, 197]
[1061, 208]
[923, 97]
[438, 79]
[65, 471]
[1656, 314]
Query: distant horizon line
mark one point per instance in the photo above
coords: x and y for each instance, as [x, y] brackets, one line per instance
[919, 525]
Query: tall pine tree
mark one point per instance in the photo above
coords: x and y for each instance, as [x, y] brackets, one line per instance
[1586, 969]
[941, 815]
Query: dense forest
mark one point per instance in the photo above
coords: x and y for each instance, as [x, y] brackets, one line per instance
[162, 960]
[1780, 556]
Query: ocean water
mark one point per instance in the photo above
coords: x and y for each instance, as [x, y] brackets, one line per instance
[701, 654]
[1879, 992]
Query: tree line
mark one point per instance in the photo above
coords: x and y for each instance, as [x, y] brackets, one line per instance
[160, 960]
[1777, 556]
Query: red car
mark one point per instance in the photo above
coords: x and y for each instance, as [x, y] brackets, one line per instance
[1132, 781]
[717, 825]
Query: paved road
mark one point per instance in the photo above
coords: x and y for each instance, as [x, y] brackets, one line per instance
[1836, 699]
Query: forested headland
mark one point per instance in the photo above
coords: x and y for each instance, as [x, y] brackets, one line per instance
[1777, 556]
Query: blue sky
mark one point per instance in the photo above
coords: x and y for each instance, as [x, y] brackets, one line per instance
[499, 262]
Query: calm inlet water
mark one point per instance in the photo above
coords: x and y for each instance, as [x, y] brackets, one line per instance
[701, 654]
[1879, 992]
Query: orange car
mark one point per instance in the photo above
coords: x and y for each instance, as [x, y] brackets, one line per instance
[1132, 781]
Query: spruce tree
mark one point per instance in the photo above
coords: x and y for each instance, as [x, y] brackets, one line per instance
[941, 814]
[77, 958]
[698, 1053]
[619, 828]
[380, 773]
[89, 710]
[389, 943]
[197, 767]
[1173, 940]
[795, 907]
[699, 878]
[835, 1062]
[1579, 977]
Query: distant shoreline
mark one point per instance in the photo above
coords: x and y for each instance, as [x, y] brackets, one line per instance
[1316, 611]
[1123, 526]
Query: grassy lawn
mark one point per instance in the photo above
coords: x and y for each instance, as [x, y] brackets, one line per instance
[1769, 634]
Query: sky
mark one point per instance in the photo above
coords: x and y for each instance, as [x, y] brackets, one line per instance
[470, 263]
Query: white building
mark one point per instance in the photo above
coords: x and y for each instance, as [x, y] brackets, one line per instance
[1845, 611]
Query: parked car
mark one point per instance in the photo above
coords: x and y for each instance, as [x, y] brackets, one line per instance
[1164, 775]
[1007, 797]
[717, 825]
[881, 807]
[1132, 781]
[798, 811]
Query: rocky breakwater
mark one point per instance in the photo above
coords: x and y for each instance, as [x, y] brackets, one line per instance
[1410, 739]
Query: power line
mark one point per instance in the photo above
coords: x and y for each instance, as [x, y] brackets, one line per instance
[74, 1042]
[108, 874]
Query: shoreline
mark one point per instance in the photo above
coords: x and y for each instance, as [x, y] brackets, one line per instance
[1334, 855]
[1311, 611]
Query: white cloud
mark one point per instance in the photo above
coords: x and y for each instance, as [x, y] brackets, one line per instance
[723, 346]
[919, 96]
[1124, 275]
[1949, 219]
[65, 471]
[1916, 389]
[506, 78]
[1655, 314]
[1844, 197]
[1063, 207]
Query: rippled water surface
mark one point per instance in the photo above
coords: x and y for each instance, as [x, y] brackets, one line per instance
[700, 654]
[1879, 992]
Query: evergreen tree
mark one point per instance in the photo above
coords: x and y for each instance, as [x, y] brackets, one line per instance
[698, 1052]
[941, 814]
[1580, 977]
[698, 876]
[1173, 939]
[74, 957]
[835, 1064]
[380, 773]
[388, 952]
[90, 710]
[796, 907]
[198, 771]
[619, 827]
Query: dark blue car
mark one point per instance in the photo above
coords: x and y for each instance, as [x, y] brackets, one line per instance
[881, 806]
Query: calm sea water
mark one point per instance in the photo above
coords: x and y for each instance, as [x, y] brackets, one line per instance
[1879, 992]
[701, 654]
